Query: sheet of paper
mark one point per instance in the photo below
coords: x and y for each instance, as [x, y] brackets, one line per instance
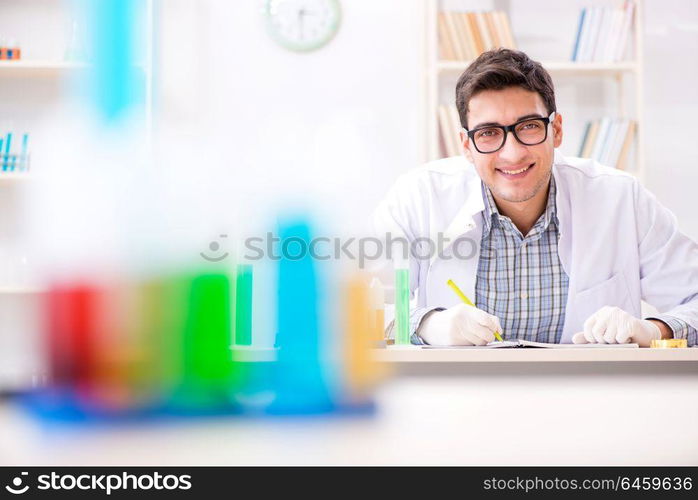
[533, 345]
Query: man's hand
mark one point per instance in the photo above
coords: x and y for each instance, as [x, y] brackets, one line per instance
[612, 325]
[459, 325]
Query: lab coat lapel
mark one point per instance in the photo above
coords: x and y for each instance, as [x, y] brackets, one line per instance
[562, 208]
[467, 223]
[564, 244]
[464, 220]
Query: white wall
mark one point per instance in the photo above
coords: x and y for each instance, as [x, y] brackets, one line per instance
[336, 125]
[345, 121]
[671, 106]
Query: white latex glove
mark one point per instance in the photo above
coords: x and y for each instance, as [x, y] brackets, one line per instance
[612, 325]
[459, 325]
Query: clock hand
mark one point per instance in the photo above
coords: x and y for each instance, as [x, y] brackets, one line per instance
[301, 13]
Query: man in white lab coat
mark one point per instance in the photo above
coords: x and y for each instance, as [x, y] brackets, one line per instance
[551, 249]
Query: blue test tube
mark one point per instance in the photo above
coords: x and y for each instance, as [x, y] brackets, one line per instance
[8, 142]
[300, 378]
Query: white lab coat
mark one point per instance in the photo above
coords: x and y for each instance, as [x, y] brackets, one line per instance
[618, 244]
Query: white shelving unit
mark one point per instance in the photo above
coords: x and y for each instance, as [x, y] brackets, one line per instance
[12, 177]
[34, 84]
[33, 88]
[21, 290]
[24, 73]
[28, 68]
[620, 73]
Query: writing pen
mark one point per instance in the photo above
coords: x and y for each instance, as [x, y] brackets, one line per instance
[465, 299]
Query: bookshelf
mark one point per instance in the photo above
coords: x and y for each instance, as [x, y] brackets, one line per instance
[39, 90]
[34, 87]
[619, 82]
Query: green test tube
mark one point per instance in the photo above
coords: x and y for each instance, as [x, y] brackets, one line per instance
[243, 305]
[402, 307]
[208, 366]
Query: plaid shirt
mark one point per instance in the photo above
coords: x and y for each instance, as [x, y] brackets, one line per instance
[520, 279]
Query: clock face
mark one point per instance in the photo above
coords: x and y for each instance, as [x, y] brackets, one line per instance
[302, 25]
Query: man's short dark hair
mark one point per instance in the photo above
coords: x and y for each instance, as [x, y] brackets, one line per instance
[498, 69]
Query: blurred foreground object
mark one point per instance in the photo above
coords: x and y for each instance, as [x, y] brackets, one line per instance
[167, 345]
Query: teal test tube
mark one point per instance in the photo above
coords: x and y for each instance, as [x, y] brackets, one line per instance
[23, 159]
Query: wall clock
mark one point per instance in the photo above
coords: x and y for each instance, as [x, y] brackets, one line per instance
[302, 25]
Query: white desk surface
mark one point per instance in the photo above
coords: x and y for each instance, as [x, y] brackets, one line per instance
[468, 409]
[414, 354]
[442, 406]
[558, 418]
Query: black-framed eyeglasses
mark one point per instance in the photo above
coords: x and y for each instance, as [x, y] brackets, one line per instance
[529, 132]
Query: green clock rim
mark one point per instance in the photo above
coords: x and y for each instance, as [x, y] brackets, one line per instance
[300, 47]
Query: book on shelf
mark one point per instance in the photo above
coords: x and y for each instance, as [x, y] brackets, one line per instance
[445, 131]
[506, 28]
[468, 36]
[580, 26]
[446, 49]
[497, 41]
[608, 141]
[625, 31]
[603, 33]
[478, 46]
[601, 139]
[465, 35]
[449, 130]
[450, 37]
[484, 31]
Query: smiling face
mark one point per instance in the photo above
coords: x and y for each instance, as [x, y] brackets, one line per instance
[516, 173]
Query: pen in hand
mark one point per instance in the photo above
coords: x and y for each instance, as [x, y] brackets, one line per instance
[466, 300]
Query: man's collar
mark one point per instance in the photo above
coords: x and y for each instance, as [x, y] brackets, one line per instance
[491, 212]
